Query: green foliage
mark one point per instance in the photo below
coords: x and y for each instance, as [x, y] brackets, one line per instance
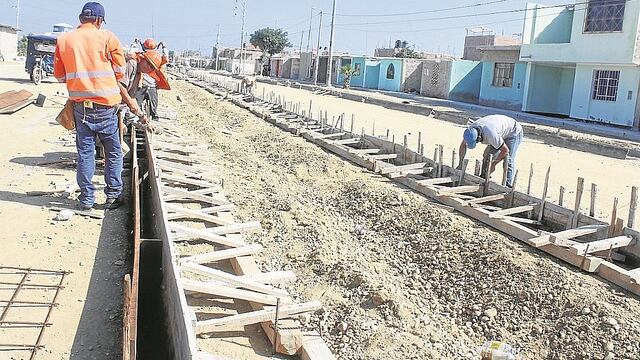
[347, 71]
[22, 46]
[270, 41]
[408, 53]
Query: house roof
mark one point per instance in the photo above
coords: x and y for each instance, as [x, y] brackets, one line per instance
[3, 26]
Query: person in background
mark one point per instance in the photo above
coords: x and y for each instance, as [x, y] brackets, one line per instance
[91, 61]
[502, 135]
[148, 88]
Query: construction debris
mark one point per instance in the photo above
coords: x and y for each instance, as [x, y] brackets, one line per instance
[12, 101]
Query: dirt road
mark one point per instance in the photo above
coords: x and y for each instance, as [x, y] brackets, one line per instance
[37, 153]
[399, 277]
[614, 177]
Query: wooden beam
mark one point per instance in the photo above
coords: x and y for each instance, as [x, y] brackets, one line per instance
[365, 151]
[381, 156]
[314, 348]
[459, 190]
[205, 234]
[186, 180]
[233, 280]
[543, 200]
[438, 181]
[521, 220]
[232, 322]
[229, 292]
[329, 136]
[577, 232]
[484, 199]
[633, 205]
[511, 211]
[174, 194]
[181, 212]
[345, 141]
[601, 245]
[395, 169]
[272, 277]
[208, 210]
[408, 172]
[226, 254]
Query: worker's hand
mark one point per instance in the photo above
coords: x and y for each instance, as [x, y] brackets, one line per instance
[144, 119]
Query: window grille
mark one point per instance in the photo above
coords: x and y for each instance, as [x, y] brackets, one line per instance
[604, 15]
[503, 74]
[605, 85]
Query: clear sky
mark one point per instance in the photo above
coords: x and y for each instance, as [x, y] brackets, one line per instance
[425, 24]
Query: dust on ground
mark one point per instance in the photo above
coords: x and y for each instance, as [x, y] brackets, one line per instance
[35, 155]
[400, 278]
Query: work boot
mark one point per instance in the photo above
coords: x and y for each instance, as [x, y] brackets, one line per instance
[113, 203]
[85, 207]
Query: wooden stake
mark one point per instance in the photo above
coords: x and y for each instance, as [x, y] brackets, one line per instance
[633, 205]
[352, 120]
[422, 149]
[310, 103]
[453, 158]
[463, 172]
[592, 203]
[419, 140]
[544, 194]
[561, 196]
[393, 141]
[478, 170]
[530, 177]
[440, 160]
[404, 150]
[487, 177]
[576, 207]
[373, 129]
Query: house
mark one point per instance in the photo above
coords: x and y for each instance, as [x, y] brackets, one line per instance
[503, 77]
[457, 80]
[479, 37]
[583, 61]
[8, 42]
[229, 60]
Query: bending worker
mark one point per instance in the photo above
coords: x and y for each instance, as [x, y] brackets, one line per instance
[148, 88]
[90, 61]
[502, 135]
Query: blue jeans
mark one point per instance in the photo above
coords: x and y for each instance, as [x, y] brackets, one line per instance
[513, 144]
[103, 123]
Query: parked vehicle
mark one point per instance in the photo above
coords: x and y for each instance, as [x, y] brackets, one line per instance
[39, 61]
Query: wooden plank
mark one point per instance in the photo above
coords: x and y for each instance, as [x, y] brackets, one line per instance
[172, 156]
[243, 250]
[199, 195]
[511, 211]
[409, 172]
[205, 234]
[12, 97]
[381, 156]
[228, 292]
[314, 348]
[395, 169]
[365, 151]
[233, 280]
[601, 245]
[345, 141]
[186, 180]
[438, 181]
[185, 213]
[521, 220]
[232, 322]
[543, 200]
[464, 189]
[208, 210]
[485, 199]
[272, 277]
[191, 168]
[577, 232]
[633, 205]
[329, 136]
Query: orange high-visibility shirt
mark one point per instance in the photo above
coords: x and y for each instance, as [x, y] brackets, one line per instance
[90, 61]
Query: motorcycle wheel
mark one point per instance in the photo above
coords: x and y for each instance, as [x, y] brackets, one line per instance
[36, 75]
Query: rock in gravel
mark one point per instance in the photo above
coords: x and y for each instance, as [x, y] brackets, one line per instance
[491, 313]
[64, 215]
[611, 321]
[380, 297]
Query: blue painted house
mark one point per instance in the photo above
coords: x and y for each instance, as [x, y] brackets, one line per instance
[390, 75]
[583, 61]
[503, 77]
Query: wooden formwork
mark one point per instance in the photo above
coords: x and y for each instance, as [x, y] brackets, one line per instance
[593, 245]
[177, 176]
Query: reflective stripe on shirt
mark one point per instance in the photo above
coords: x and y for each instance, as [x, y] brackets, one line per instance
[89, 74]
[95, 93]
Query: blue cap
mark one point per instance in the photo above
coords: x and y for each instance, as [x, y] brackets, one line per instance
[470, 137]
[92, 9]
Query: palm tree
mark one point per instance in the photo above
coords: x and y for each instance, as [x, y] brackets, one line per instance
[347, 71]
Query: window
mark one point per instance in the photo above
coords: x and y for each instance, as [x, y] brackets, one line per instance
[356, 69]
[391, 72]
[604, 16]
[605, 84]
[503, 75]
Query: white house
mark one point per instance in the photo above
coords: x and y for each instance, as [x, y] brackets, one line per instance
[8, 42]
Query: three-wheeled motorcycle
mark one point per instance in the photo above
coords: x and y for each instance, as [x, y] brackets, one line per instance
[39, 62]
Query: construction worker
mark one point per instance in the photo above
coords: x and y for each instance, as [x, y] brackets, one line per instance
[90, 61]
[247, 84]
[148, 88]
[502, 135]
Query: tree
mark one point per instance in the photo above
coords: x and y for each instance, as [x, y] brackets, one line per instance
[22, 46]
[408, 53]
[270, 41]
[347, 71]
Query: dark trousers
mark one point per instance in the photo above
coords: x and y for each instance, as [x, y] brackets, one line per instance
[151, 94]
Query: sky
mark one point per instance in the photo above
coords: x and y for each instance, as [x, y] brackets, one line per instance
[361, 25]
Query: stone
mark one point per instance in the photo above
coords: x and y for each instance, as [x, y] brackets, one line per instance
[611, 321]
[585, 311]
[608, 346]
[64, 215]
[491, 313]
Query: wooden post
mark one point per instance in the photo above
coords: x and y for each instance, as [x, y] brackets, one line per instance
[404, 150]
[614, 216]
[422, 150]
[435, 161]
[393, 141]
[513, 189]
[310, 103]
[463, 171]
[440, 160]
[576, 207]
[592, 203]
[561, 196]
[487, 177]
[373, 129]
[478, 170]
[352, 119]
[633, 205]
[544, 194]
[530, 176]
[419, 140]
[387, 135]
[453, 158]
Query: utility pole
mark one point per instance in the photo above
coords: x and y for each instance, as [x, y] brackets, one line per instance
[330, 60]
[310, 24]
[244, 12]
[217, 45]
[301, 38]
[317, 66]
[17, 7]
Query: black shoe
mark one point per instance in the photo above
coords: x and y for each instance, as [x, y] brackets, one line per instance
[113, 203]
[85, 207]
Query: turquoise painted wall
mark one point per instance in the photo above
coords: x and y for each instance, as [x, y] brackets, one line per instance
[553, 26]
[502, 97]
[358, 79]
[550, 89]
[621, 111]
[372, 72]
[464, 83]
[395, 83]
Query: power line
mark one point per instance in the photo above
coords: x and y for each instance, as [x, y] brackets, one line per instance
[427, 11]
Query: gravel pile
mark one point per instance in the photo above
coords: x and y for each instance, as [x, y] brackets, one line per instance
[399, 277]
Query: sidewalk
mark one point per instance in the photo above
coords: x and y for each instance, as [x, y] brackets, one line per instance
[459, 112]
